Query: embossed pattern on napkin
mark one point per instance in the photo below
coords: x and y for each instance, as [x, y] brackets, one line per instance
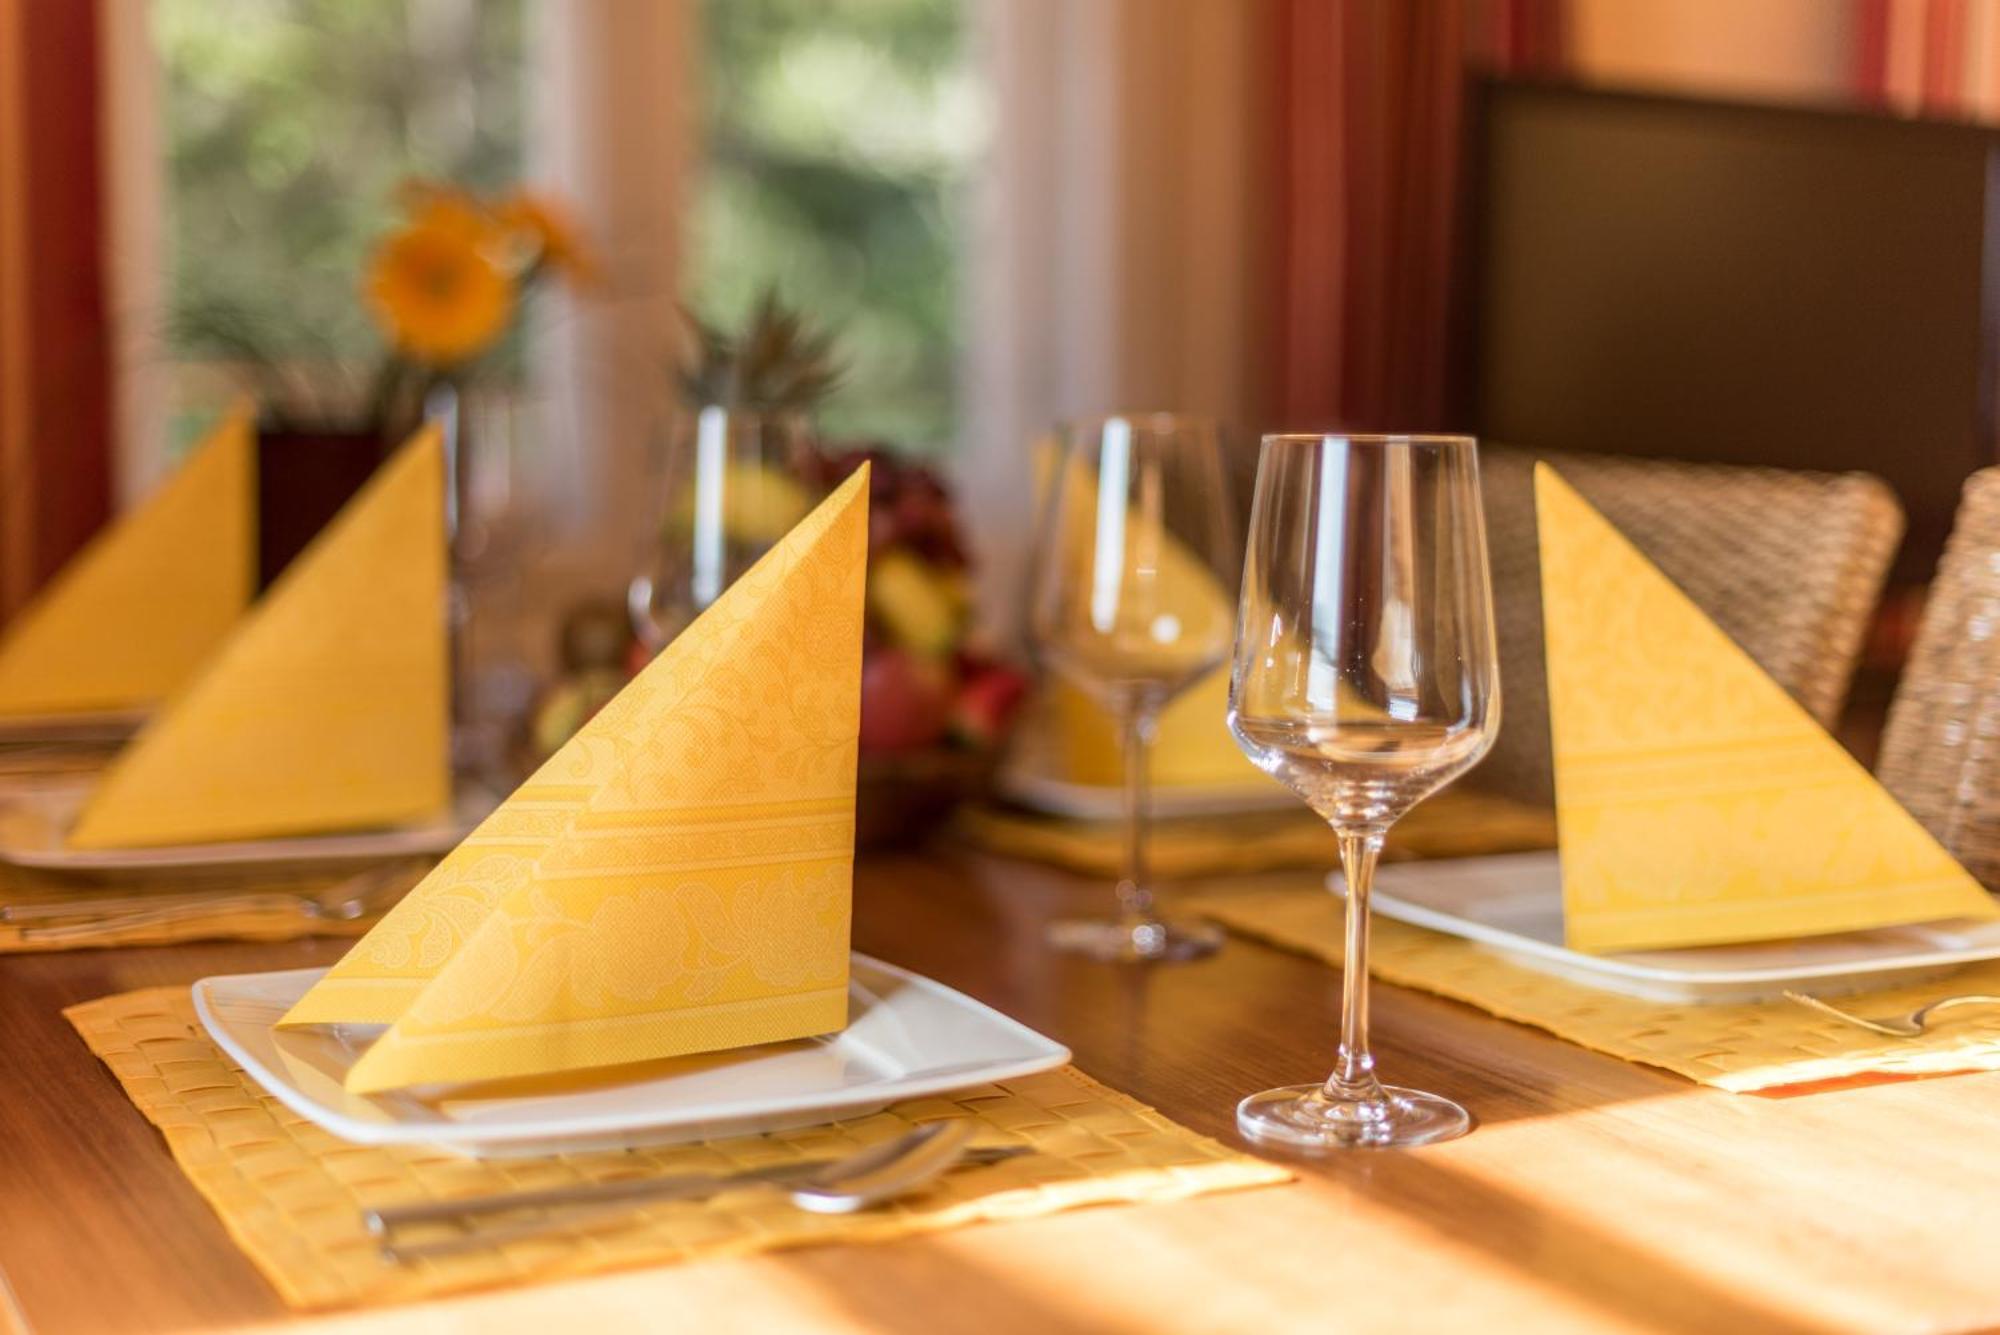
[676, 879]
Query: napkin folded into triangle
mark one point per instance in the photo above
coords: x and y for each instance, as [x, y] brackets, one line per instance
[1696, 802]
[676, 879]
[328, 708]
[134, 615]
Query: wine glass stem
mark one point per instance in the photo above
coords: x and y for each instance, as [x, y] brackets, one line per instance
[1135, 888]
[1354, 1075]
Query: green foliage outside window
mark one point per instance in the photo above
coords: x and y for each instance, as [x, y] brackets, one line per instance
[838, 135]
[290, 124]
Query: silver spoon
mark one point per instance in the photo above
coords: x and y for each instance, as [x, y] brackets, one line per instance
[876, 1174]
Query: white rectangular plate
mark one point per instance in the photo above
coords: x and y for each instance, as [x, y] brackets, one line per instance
[1512, 903]
[906, 1036]
[34, 827]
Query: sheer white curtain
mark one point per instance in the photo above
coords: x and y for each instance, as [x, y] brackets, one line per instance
[614, 107]
[1115, 245]
[132, 157]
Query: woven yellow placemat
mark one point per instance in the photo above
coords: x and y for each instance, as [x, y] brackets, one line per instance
[290, 1194]
[1452, 824]
[1752, 1046]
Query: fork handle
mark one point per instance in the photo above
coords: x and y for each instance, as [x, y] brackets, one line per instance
[118, 905]
[589, 1210]
[168, 915]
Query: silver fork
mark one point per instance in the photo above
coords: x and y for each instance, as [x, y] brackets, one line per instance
[343, 901]
[1895, 1026]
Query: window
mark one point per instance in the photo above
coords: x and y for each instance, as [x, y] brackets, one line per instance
[839, 139]
[288, 126]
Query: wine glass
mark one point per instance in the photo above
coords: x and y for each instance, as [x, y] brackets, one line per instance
[1129, 602]
[733, 492]
[1365, 679]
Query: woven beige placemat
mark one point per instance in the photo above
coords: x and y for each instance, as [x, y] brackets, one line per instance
[290, 1194]
[1752, 1046]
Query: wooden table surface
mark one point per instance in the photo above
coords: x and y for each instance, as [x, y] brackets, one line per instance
[1593, 1195]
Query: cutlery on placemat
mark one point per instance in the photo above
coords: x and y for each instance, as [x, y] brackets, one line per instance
[825, 1186]
[345, 900]
[1895, 1026]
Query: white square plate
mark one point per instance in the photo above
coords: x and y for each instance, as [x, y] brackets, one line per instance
[34, 831]
[906, 1036]
[1512, 903]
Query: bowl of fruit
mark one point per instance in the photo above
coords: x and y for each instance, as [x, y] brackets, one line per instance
[935, 706]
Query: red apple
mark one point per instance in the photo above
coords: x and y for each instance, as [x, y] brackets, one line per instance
[905, 701]
[985, 707]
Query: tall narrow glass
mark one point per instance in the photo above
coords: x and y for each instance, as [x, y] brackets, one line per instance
[1129, 602]
[1365, 679]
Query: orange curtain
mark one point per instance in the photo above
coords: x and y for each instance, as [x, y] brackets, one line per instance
[1370, 136]
[55, 411]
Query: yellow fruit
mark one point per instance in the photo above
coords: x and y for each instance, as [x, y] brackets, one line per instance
[922, 609]
[760, 505]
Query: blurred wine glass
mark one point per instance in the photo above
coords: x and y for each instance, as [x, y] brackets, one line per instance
[1135, 557]
[494, 436]
[733, 492]
[1365, 679]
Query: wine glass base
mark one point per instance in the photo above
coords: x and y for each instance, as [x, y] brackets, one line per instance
[1148, 942]
[1306, 1120]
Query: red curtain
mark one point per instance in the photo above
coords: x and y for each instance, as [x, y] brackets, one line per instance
[1370, 136]
[55, 381]
[1917, 56]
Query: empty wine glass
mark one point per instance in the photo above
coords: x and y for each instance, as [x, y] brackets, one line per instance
[1129, 601]
[1365, 679]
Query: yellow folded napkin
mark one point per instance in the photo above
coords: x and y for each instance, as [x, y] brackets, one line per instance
[135, 614]
[329, 707]
[1697, 803]
[1192, 746]
[676, 879]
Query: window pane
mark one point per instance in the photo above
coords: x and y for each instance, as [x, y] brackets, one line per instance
[289, 124]
[839, 138]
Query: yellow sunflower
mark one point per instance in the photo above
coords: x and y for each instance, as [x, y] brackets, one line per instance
[551, 233]
[436, 290]
[434, 203]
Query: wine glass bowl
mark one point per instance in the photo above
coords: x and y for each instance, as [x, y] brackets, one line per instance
[1365, 678]
[733, 491]
[1130, 602]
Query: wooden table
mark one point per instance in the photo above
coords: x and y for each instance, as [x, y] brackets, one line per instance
[1594, 1194]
